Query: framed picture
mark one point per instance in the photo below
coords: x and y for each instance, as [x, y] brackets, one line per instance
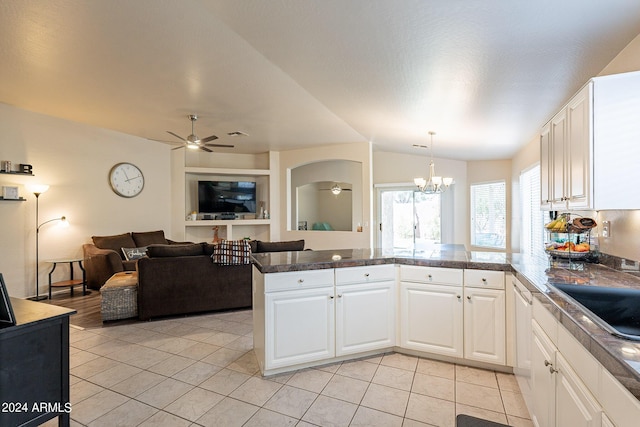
[7, 318]
[10, 193]
[302, 225]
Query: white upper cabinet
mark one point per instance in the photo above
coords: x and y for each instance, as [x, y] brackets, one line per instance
[590, 147]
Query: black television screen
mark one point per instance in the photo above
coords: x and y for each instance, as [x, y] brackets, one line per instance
[226, 196]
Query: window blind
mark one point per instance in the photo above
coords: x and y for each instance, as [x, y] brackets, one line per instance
[532, 233]
[489, 215]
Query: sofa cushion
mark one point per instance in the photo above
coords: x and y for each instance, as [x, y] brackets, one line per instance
[134, 253]
[207, 248]
[232, 252]
[292, 245]
[147, 238]
[253, 244]
[115, 243]
[163, 251]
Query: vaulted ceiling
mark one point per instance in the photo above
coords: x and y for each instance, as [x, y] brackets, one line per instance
[484, 75]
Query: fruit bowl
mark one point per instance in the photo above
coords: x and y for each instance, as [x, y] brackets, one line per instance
[567, 254]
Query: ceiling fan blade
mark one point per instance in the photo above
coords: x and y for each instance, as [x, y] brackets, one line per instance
[220, 145]
[177, 136]
[209, 138]
[177, 148]
[205, 149]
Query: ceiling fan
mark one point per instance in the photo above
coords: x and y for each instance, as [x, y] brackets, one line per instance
[194, 142]
[335, 189]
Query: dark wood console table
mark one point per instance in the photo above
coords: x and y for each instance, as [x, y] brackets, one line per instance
[34, 365]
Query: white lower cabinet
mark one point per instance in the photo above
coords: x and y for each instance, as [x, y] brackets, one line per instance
[317, 315]
[454, 313]
[431, 318]
[560, 398]
[300, 327]
[365, 317]
[484, 325]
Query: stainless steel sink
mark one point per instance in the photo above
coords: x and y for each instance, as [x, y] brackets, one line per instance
[615, 309]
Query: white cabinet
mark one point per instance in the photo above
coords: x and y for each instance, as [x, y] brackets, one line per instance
[365, 299]
[574, 404]
[439, 315]
[565, 156]
[523, 339]
[590, 146]
[310, 316]
[560, 398]
[484, 316]
[543, 355]
[431, 318]
[300, 327]
[484, 325]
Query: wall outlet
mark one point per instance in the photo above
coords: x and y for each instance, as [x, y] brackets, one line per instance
[606, 228]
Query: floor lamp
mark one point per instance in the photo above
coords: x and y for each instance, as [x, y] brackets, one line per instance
[37, 190]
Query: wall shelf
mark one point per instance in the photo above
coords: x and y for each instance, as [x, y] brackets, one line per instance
[214, 222]
[16, 173]
[19, 199]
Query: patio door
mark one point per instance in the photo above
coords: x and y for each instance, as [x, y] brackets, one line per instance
[408, 219]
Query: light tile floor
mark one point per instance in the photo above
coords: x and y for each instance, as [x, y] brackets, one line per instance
[201, 371]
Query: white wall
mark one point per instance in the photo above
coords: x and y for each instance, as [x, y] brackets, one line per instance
[74, 159]
[397, 168]
[356, 152]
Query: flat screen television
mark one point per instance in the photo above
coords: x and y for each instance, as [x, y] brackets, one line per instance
[226, 196]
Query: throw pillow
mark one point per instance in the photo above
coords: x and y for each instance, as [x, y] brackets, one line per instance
[232, 252]
[163, 251]
[131, 254]
[115, 243]
[147, 238]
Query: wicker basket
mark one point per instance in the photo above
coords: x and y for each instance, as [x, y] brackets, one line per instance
[120, 296]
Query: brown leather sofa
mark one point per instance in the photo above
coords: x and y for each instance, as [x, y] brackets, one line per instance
[104, 257]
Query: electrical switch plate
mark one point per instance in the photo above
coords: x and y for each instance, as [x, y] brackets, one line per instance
[606, 228]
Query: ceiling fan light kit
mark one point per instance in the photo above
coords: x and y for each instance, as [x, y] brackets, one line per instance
[193, 142]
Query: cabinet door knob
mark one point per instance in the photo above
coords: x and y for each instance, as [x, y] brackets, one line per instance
[484, 280]
[469, 297]
[430, 277]
[331, 297]
[300, 280]
[552, 369]
[366, 274]
[459, 297]
[339, 295]
[547, 363]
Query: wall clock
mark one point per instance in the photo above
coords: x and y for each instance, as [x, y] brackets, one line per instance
[126, 179]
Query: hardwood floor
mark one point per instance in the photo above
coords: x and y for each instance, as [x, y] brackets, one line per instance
[87, 307]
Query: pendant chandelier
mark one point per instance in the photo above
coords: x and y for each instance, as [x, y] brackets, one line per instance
[434, 184]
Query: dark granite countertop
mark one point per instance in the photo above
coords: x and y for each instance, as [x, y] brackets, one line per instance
[621, 357]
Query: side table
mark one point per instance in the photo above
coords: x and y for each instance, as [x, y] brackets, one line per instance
[71, 282]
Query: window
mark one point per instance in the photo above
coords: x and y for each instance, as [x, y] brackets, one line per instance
[489, 215]
[532, 232]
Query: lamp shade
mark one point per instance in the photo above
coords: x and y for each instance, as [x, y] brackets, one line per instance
[37, 188]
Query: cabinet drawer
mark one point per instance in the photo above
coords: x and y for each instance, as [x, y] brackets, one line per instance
[293, 280]
[434, 275]
[365, 274]
[484, 279]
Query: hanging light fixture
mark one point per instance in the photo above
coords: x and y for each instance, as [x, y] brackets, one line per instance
[434, 184]
[336, 189]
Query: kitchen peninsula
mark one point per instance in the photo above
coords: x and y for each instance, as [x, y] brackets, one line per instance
[317, 307]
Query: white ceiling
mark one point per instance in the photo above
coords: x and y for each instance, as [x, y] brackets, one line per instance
[485, 75]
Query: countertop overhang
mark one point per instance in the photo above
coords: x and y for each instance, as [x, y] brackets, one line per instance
[621, 357]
